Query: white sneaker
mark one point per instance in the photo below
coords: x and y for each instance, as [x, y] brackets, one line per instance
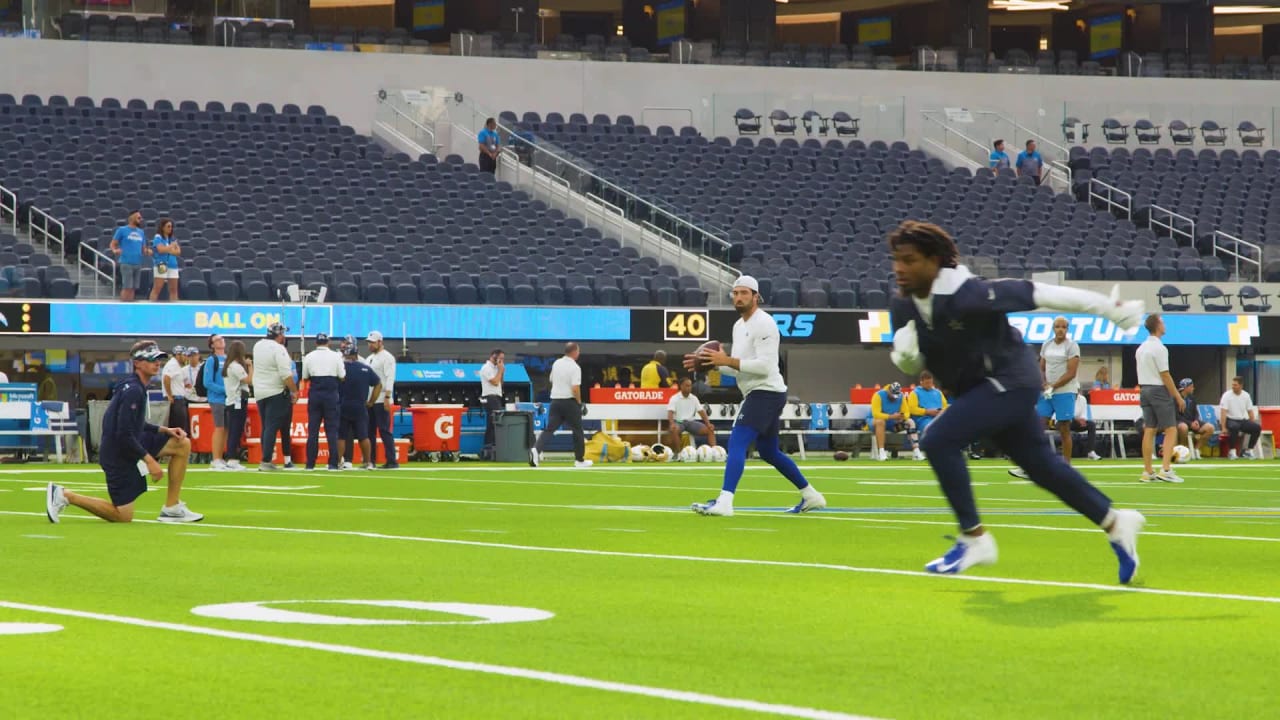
[179, 514]
[268, 467]
[1249, 455]
[714, 507]
[347, 466]
[882, 455]
[368, 466]
[810, 500]
[1168, 476]
[1019, 473]
[1231, 455]
[582, 463]
[234, 465]
[534, 457]
[967, 552]
[54, 502]
[917, 454]
[1124, 541]
[1146, 477]
[218, 466]
[1094, 456]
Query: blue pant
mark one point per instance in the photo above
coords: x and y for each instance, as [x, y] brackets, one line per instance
[1009, 419]
[322, 407]
[759, 420]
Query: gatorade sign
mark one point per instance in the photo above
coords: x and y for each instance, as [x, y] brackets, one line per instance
[444, 427]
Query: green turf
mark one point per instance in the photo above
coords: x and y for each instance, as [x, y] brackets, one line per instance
[829, 611]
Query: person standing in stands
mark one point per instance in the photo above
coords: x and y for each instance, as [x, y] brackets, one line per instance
[383, 363]
[566, 407]
[275, 391]
[173, 380]
[237, 378]
[491, 375]
[129, 245]
[216, 391]
[489, 144]
[999, 158]
[324, 369]
[1030, 163]
[655, 374]
[164, 258]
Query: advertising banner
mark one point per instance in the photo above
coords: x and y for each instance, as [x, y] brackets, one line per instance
[634, 396]
[1036, 328]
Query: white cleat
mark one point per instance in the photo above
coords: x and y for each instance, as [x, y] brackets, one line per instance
[218, 466]
[808, 503]
[268, 467]
[179, 514]
[582, 463]
[54, 502]
[1168, 476]
[368, 466]
[713, 507]
[234, 465]
[968, 551]
[882, 455]
[1019, 473]
[917, 454]
[1094, 456]
[535, 457]
[1231, 455]
[1124, 541]
[347, 466]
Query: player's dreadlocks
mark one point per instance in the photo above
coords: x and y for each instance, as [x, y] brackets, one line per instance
[929, 239]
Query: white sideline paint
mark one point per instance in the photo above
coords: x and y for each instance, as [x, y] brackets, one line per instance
[16, 628]
[753, 562]
[467, 666]
[259, 611]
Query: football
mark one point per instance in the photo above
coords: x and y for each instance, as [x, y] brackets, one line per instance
[841, 455]
[708, 345]
[1181, 453]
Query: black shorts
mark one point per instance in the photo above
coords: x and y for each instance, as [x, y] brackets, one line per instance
[762, 411]
[124, 483]
[353, 424]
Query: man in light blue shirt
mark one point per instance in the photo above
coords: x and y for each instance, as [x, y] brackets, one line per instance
[129, 244]
[1030, 162]
[488, 139]
[999, 158]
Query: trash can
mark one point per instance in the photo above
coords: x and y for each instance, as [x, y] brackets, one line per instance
[513, 436]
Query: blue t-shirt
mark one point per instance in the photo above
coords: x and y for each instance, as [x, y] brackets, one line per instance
[928, 399]
[215, 387]
[165, 259]
[131, 240]
[1029, 163]
[353, 391]
[488, 138]
[999, 159]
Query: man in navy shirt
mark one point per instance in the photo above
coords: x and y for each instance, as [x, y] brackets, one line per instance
[955, 324]
[127, 441]
[357, 393]
[1030, 162]
[488, 139]
[129, 244]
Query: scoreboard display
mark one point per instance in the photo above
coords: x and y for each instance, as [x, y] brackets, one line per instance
[702, 324]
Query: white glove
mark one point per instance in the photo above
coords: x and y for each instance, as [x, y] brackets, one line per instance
[1048, 392]
[1125, 313]
[906, 350]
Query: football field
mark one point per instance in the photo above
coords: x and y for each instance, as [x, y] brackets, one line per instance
[483, 591]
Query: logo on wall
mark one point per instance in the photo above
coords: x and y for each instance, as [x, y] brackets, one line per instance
[1243, 330]
[876, 328]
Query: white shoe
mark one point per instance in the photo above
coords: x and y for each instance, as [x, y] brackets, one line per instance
[917, 454]
[268, 467]
[535, 457]
[1168, 476]
[1124, 541]
[810, 500]
[347, 466]
[1019, 473]
[882, 455]
[1094, 456]
[218, 466]
[234, 465]
[714, 507]
[1249, 455]
[179, 514]
[582, 463]
[54, 502]
[368, 466]
[1146, 477]
[967, 552]
[1231, 455]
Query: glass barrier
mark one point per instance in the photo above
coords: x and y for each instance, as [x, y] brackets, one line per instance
[877, 118]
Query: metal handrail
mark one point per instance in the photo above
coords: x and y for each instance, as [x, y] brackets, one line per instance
[1170, 225]
[981, 148]
[48, 239]
[606, 204]
[923, 65]
[1111, 192]
[666, 109]
[1058, 168]
[1129, 58]
[1235, 253]
[92, 263]
[435, 146]
[1019, 127]
[11, 208]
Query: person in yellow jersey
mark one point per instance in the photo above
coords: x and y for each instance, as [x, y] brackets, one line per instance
[655, 374]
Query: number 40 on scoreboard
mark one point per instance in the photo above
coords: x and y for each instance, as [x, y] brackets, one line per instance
[686, 325]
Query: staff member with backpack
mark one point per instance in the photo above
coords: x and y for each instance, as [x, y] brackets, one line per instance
[209, 384]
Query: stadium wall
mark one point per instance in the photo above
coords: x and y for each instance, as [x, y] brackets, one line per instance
[345, 84]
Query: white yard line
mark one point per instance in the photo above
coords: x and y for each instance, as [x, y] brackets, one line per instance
[464, 665]
[742, 561]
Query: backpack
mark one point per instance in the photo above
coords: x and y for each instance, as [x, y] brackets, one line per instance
[603, 448]
[201, 389]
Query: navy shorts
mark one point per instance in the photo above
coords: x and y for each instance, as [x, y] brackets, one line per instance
[353, 424]
[124, 483]
[762, 412]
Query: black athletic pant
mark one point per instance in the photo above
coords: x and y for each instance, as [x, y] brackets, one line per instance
[179, 415]
[488, 164]
[492, 405]
[235, 430]
[566, 411]
[1247, 427]
[322, 408]
[380, 425]
[275, 413]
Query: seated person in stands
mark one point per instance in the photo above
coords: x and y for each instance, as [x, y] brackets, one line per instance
[887, 414]
[1083, 422]
[924, 403]
[1189, 423]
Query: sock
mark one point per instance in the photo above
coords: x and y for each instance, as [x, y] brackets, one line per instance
[772, 454]
[725, 498]
[739, 441]
[809, 491]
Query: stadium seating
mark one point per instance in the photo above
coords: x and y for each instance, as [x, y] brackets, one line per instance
[809, 216]
[263, 198]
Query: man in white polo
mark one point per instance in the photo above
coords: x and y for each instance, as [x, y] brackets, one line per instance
[275, 392]
[491, 375]
[685, 415]
[566, 407]
[383, 363]
[1160, 401]
[173, 380]
[1239, 416]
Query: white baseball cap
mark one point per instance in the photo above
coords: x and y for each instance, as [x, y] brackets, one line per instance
[374, 336]
[747, 282]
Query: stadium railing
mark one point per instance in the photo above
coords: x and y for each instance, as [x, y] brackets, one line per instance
[9, 208]
[1242, 251]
